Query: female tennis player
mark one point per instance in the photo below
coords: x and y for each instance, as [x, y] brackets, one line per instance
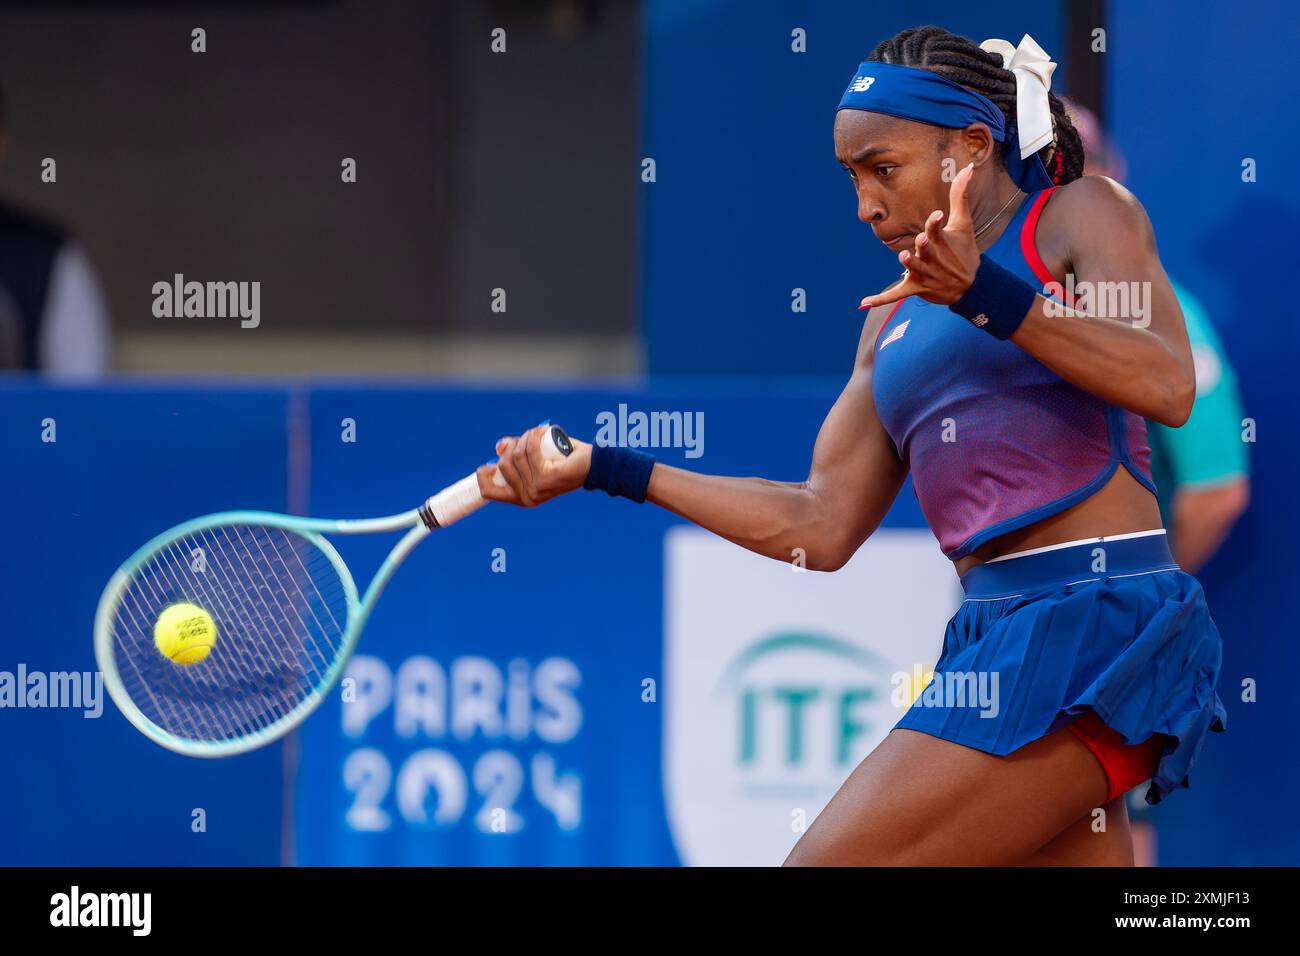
[1021, 422]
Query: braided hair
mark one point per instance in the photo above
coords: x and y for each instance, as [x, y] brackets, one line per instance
[962, 61]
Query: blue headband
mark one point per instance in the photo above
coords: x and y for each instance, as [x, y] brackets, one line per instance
[929, 98]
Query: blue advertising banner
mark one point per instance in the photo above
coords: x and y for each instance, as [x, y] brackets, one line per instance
[589, 682]
[87, 476]
[506, 704]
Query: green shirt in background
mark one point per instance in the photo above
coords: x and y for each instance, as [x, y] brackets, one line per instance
[1207, 450]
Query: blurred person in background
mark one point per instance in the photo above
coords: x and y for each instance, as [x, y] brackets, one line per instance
[1201, 470]
[53, 315]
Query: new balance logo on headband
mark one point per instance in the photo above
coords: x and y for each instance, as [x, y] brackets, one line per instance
[861, 84]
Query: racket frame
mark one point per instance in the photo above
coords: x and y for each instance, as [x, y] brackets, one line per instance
[313, 531]
[446, 507]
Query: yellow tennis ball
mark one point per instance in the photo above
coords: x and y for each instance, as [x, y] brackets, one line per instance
[185, 633]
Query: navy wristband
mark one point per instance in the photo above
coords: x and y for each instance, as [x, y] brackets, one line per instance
[997, 301]
[619, 472]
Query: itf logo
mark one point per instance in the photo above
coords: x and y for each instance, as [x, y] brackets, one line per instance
[776, 685]
[803, 706]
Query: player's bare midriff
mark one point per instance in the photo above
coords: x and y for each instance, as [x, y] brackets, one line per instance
[1120, 507]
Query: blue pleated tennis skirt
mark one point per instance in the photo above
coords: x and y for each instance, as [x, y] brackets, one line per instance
[1111, 626]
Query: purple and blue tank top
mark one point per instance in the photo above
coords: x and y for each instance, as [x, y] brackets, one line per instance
[994, 440]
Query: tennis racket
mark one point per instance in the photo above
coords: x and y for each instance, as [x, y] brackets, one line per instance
[272, 614]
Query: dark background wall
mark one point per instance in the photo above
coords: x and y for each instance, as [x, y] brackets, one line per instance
[475, 170]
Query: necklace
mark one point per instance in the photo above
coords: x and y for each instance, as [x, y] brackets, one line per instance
[982, 229]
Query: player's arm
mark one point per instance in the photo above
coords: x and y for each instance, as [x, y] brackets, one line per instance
[1205, 458]
[1202, 518]
[855, 476]
[74, 329]
[1139, 362]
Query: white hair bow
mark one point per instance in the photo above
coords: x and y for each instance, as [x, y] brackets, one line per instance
[1033, 69]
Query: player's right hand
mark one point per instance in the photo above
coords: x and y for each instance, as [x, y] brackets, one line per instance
[531, 479]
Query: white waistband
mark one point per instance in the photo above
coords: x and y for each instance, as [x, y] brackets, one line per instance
[1075, 544]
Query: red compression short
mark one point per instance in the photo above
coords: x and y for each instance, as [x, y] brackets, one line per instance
[1125, 765]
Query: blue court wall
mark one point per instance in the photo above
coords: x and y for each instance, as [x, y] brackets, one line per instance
[125, 463]
[576, 623]
[574, 588]
[578, 609]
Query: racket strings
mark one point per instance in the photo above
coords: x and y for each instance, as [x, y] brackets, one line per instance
[192, 712]
[234, 667]
[240, 591]
[280, 608]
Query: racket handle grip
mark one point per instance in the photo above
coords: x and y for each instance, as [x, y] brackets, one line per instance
[453, 503]
[456, 501]
[555, 445]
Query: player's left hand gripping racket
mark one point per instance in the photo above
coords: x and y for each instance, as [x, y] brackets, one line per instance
[278, 610]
